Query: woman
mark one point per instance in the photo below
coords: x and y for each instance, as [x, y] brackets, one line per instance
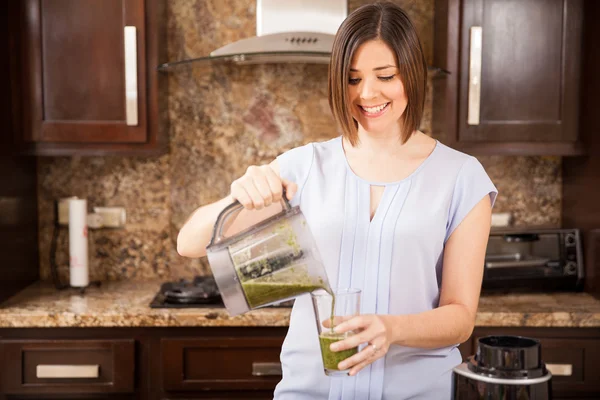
[394, 213]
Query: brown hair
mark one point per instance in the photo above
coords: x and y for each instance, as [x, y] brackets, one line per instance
[390, 24]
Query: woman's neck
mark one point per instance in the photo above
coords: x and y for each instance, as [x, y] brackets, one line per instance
[380, 144]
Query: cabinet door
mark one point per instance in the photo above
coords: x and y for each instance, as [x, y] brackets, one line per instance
[221, 364]
[86, 62]
[519, 71]
[86, 76]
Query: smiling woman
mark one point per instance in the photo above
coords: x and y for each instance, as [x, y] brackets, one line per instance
[369, 52]
[376, 93]
[394, 213]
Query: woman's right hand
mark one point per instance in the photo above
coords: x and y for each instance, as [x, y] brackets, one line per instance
[260, 187]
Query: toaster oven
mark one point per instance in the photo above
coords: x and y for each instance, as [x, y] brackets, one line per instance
[534, 260]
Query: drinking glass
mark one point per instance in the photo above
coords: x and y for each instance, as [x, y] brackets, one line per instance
[345, 304]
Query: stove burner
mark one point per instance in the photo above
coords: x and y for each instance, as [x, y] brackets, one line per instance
[201, 291]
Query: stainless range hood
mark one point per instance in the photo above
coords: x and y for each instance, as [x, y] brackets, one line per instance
[287, 31]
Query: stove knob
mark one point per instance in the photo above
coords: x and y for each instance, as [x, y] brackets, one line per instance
[570, 268]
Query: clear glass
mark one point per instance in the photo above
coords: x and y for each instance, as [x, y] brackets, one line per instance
[345, 305]
[278, 262]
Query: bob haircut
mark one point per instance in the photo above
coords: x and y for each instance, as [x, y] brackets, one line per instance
[389, 23]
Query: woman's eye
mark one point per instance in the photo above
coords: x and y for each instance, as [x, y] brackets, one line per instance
[353, 81]
[386, 78]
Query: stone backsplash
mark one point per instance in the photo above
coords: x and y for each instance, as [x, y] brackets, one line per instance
[222, 119]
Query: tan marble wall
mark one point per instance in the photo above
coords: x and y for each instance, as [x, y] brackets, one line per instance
[223, 119]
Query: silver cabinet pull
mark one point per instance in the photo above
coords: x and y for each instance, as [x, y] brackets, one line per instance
[131, 86]
[67, 371]
[560, 369]
[476, 38]
[266, 369]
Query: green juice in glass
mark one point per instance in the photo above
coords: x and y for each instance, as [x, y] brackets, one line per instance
[331, 359]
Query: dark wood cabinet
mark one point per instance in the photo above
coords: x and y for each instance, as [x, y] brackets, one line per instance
[88, 82]
[196, 364]
[221, 363]
[67, 366]
[140, 363]
[514, 82]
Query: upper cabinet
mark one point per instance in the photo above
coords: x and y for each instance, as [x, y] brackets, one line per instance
[88, 80]
[514, 76]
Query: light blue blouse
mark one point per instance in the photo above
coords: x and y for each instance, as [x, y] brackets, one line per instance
[395, 258]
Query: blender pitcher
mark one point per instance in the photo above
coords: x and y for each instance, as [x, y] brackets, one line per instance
[270, 262]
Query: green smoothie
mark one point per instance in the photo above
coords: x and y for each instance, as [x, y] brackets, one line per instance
[259, 293]
[331, 359]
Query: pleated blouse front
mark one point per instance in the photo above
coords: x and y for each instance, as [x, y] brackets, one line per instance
[395, 258]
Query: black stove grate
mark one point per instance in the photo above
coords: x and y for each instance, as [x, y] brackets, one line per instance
[201, 292]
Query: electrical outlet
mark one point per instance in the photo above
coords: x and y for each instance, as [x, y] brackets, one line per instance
[501, 219]
[112, 217]
[102, 217]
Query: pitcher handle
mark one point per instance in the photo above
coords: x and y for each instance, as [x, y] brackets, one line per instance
[235, 208]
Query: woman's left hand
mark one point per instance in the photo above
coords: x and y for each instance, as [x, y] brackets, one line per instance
[376, 330]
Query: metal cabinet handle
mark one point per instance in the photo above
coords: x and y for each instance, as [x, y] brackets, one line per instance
[266, 369]
[560, 369]
[476, 38]
[67, 371]
[131, 86]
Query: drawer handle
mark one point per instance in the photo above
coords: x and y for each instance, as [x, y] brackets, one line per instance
[266, 369]
[131, 86]
[560, 369]
[475, 75]
[67, 371]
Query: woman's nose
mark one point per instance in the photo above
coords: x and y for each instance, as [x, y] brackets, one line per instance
[368, 90]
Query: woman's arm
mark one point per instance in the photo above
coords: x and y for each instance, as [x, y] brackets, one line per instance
[452, 322]
[259, 190]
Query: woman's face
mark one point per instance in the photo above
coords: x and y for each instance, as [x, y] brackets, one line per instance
[377, 97]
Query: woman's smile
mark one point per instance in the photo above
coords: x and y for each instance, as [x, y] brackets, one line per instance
[374, 111]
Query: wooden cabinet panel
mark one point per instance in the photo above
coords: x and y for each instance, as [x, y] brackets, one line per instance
[220, 363]
[88, 81]
[530, 62]
[67, 366]
[92, 59]
[525, 98]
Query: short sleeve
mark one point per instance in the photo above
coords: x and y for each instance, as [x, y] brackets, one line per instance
[472, 184]
[295, 165]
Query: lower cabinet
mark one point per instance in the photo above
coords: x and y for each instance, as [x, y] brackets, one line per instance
[140, 364]
[197, 364]
[218, 363]
[68, 366]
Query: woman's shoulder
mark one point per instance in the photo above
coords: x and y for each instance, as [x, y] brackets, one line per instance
[450, 156]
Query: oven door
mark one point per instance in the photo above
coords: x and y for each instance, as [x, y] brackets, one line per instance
[514, 272]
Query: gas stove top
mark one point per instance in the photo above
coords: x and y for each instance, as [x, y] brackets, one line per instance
[200, 292]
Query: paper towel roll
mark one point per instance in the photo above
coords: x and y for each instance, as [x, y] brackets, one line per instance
[78, 243]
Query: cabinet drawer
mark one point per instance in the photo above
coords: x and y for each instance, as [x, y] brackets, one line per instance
[67, 366]
[221, 363]
[574, 365]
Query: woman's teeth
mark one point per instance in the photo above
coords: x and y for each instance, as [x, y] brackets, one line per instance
[374, 110]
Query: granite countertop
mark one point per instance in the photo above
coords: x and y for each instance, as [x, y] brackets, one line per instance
[126, 304]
